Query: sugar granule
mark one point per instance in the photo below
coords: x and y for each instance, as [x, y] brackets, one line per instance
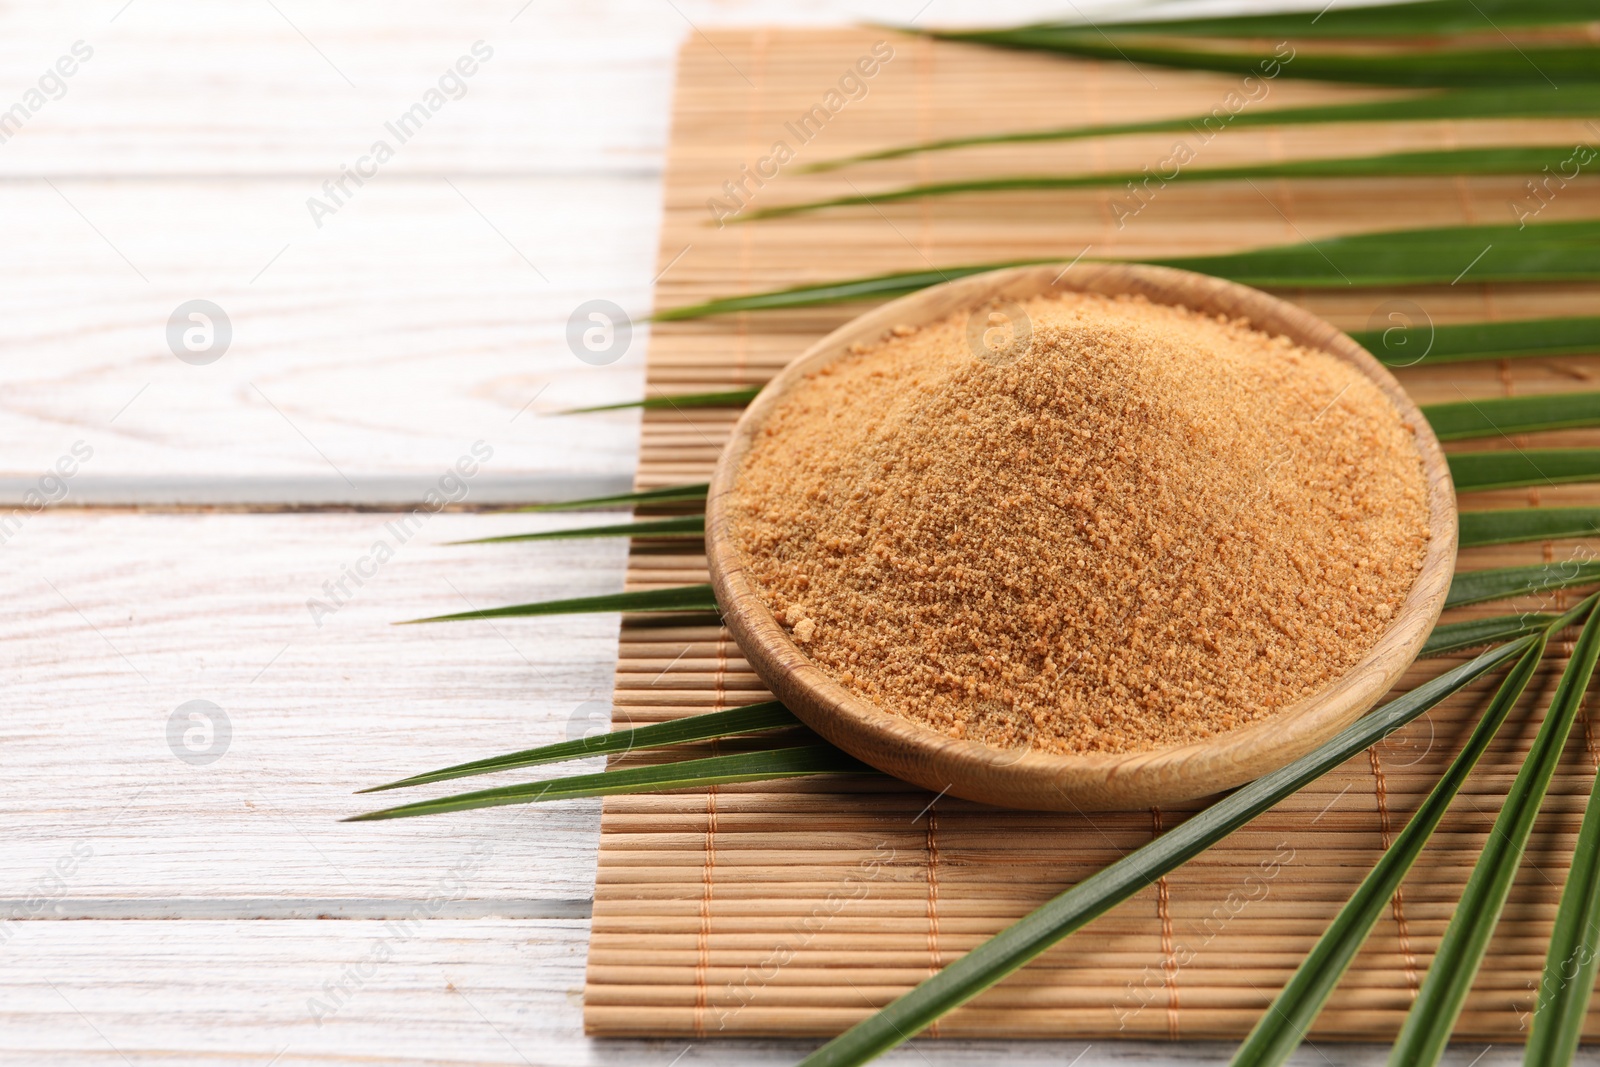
[1149, 527]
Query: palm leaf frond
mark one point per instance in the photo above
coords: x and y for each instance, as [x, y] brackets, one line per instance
[1504, 415]
[753, 718]
[769, 765]
[693, 598]
[1539, 101]
[673, 494]
[1454, 161]
[727, 398]
[1282, 1026]
[1509, 525]
[1542, 252]
[1426, 18]
[1512, 468]
[1502, 583]
[1477, 633]
[677, 526]
[1562, 1004]
[877, 286]
[1508, 64]
[1455, 964]
[1399, 345]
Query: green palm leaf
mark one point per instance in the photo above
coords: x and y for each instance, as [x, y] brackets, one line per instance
[1455, 161]
[677, 526]
[1282, 1027]
[1558, 251]
[1476, 587]
[1510, 65]
[728, 398]
[1433, 1014]
[696, 598]
[1539, 101]
[1426, 18]
[1569, 970]
[753, 718]
[1509, 525]
[1459, 636]
[672, 494]
[763, 766]
[1398, 345]
[1545, 252]
[1013, 947]
[878, 286]
[1395, 346]
[1505, 415]
[1437, 1007]
[1476, 471]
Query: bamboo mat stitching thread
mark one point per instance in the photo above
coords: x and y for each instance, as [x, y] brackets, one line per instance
[1169, 957]
[1397, 903]
[935, 961]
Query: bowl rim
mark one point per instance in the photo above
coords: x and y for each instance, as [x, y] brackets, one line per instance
[1092, 781]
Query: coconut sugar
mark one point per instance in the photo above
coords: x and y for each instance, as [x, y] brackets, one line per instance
[1144, 527]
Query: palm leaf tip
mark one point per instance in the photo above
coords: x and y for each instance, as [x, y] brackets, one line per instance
[722, 398]
[753, 718]
[1515, 159]
[767, 765]
[687, 598]
[1477, 633]
[1416, 18]
[669, 495]
[874, 287]
[675, 527]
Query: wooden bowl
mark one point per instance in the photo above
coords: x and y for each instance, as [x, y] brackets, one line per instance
[1022, 778]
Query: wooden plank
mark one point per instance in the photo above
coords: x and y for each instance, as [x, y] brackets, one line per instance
[119, 619]
[291, 88]
[198, 88]
[365, 359]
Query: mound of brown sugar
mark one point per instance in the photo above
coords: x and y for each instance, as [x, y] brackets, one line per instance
[1142, 528]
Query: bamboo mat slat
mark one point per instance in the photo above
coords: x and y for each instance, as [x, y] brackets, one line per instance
[796, 908]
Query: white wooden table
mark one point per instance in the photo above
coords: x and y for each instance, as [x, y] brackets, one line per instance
[178, 894]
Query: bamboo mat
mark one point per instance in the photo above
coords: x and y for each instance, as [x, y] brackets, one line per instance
[796, 908]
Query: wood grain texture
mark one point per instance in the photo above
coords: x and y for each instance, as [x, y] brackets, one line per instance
[794, 908]
[365, 358]
[116, 620]
[189, 88]
[1091, 782]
